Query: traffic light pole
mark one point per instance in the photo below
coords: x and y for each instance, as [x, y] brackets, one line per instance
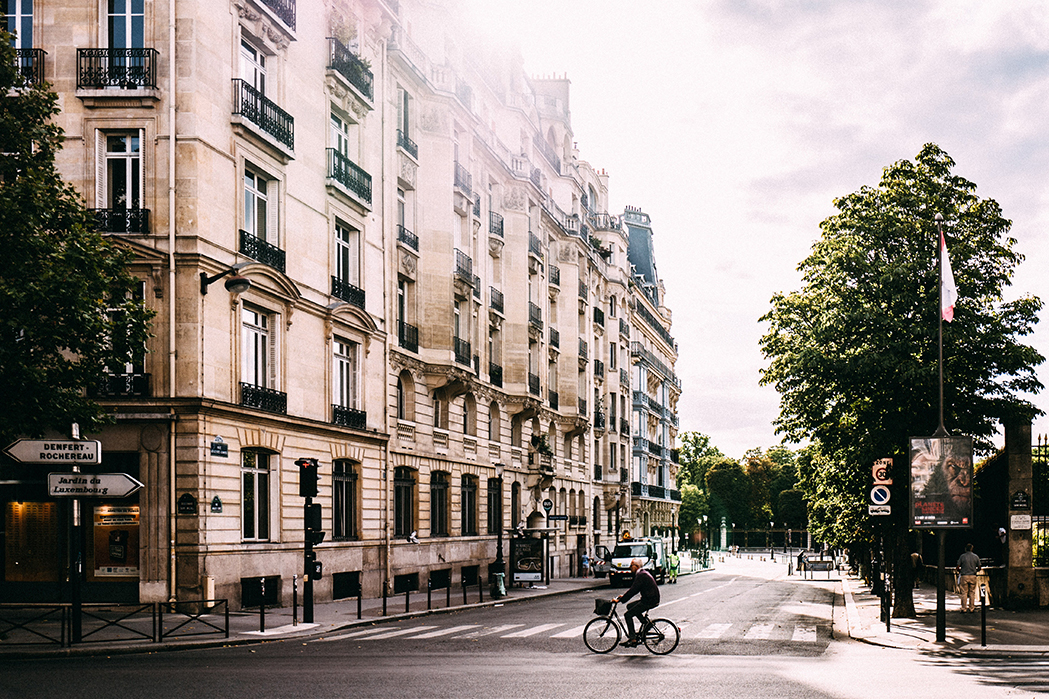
[309, 558]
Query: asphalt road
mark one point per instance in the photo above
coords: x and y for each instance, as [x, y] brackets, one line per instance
[746, 632]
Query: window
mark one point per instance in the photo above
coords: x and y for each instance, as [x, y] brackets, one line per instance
[495, 505]
[494, 422]
[126, 24]
[403, 501]
[515, 505]
[613, 350]
[468, 505]
[257, 362]
[344, 493]
[440, 413]
[404, 111]
[19, 21]
[122, 186]
[347, 257]
[469, 415]
[612, 307]
[253, 66]
[597, 514]
[255, 495]
[439, 505]
[258, 218]
[344, 374]
[405, 397]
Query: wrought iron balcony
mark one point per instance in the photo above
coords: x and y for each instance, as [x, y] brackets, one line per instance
[342, 289]
[599, 368]
[349, 175]
[624, 426]
[495, 224]
[548, 152]
[496, 299]
[599, 420]
[347, 64]
[583, 350]
[582, 406]
[555, 338]
[675, 456]
[462, 351]
[657, 491]
[133, 385]
[407, 237]
[495, 374]
[121, 220]
[624, 378]
[349, 417]
[477, 206]
[259, 249]
[407, 144]
[284, 9]
[464, 267]
[624, 327]
[477, 287]
[655, 449]
[534, 247]
[263, 112]
[31, 64]
[599, 316]
[555, 275]
[553, 398]
[535, 316]
[463, 180]
[263, 398]
[128, 69]
[408, 336]
[675, 495]
[583, 291]
[533, 383]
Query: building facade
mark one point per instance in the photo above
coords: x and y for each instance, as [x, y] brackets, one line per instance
[369, 240]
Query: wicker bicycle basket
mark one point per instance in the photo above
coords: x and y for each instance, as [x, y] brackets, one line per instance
[602, 607]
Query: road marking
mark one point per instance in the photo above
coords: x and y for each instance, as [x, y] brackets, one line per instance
[489, 631]
[358, 634]
[571, 633]
[524, 633]
[804, 634]
[399, 632]
[759, 632]
[714, 631]
[446, 632]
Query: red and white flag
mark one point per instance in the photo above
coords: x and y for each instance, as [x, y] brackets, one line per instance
[948, 291]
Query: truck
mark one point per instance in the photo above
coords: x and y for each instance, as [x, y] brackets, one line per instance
[651, 551]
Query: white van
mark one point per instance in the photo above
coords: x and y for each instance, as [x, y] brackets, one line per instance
[650, 550]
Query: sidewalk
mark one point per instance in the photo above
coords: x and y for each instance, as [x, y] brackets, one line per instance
[1008, 633]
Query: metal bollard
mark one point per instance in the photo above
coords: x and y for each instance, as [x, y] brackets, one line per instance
[360, 594]
[295, 600]
[262, 604]
[983, 615]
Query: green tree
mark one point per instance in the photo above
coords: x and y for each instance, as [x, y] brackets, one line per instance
[65, 290]
[790, 506]
[693, 507]
[729, 492]
[696, 455]
[853, 354]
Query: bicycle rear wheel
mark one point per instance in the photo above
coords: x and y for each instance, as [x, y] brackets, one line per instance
[662, 636]
[601, 634]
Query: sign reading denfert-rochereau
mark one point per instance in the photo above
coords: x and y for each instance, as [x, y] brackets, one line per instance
[55, 451]
[86, 485]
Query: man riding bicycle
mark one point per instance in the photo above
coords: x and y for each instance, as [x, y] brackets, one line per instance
[645, 584]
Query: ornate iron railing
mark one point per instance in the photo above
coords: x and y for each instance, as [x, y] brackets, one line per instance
[582, 406]
[476, 283]
[342, 289]
[583, 349]
[624, 378]
[533, 383]
[263, 112]
[624, 327]
[464, 267]
[599, 420]
[496, 299]
[407, 237]
[135, 385]
[258, 249]
[349, 417]
[624, 426]
[407, 144]
[599, 316]
[349, 175]
[121, 220]
[555, 275]
[347, 64]
[284, 9]
[534, 246]
[462, 351]
[463, 179]
[599, 368]
[583, 291]
[548, 152]
[129, 69]
[535, 316]
[408, 336]
[31, 64]
[555, 338]
[263, 398]
[495, 223]
[495, 374]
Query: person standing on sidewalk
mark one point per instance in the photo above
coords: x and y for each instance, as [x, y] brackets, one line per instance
[917, 565]
[968, 566]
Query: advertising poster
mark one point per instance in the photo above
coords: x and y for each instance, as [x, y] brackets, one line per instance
[526, 560]
[116, 541]
[941, 482]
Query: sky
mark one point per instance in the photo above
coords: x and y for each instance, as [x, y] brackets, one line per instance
[736, 123]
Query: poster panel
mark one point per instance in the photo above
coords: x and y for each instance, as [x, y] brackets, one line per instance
[526, 560]
[116, 540]
[941, 482]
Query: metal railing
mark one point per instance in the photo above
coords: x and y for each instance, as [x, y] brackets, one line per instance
[583, 349]
[495, 374]
[552, 397]
[407, 237]
[258, 249]
[342, 289]
[584, 292]
[462, 351]
[121, 220]
[349, 417]
[263, 112]
[599, 316]
[599, 368]
[349, 175]
[535, 316]
[128, 69]
[533, 383]
[263, 398]
[463, 179]
[284, 9]
[464, 267]
[495, 223]
[408, 336]
[534, 246]
[599, 420]
[624, 327]
[555, 338]
[582, 406]
[31, 64]
[547, 151]
[624, 378]
[624, 426]
[349, 65]
[496, 299]
[132, 385]
[555, 275]
[407, 144]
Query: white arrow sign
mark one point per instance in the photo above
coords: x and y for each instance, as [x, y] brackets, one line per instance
[55, 451]
[91, 485]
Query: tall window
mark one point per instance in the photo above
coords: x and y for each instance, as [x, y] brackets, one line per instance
[495, 505]
[468, 504]
[344, 486]
[439, 504]
[347, 254]
[344, 374]
[404, 111]
[340, 135]
[122, 187]
[18, 15]
[253, 66]
[255, 495]
[257, 219]
[494, 422]
[402, 206]
[126, 24]
[403, 501]
[258, 348]
[515, 504]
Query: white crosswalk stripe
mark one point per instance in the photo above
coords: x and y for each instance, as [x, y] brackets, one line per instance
[714, 631]
[524, 633]
[577, 632]
[804, 633]
[490, 630]
[445, 632]
[758, 632]
[399, 632]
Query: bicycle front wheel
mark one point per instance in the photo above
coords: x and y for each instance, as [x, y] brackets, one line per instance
[662, 636]
[601, 634]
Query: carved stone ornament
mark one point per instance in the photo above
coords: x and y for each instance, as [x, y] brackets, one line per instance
[262, 27]
[408, 264]
[495, 246]
[347, 100]
[432, 120]
[407, 172]
[565, 253]
[514, 199]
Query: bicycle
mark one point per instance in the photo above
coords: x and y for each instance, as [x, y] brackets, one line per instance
[602, 635]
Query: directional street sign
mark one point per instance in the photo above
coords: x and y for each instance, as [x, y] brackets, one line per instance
[91, 485]
[55, 451]
[880, 495]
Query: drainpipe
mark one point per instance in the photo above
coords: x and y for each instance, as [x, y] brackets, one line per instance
[387, 585]
[172, 583]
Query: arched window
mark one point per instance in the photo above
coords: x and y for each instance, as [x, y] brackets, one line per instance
[405, 397]
[494, 422]
[516, 431]
[469, 415]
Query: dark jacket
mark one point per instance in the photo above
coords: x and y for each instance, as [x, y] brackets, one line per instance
[646, 585]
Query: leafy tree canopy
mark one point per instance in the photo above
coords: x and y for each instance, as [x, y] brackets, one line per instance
[696, 455]
[693, 506]
[66, 294]
[729, 492]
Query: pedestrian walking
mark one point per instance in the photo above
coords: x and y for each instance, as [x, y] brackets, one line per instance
[917, 565]
[967, 568]
[586, 565]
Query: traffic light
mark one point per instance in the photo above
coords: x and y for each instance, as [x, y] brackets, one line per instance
[314, 535]
[308, 477]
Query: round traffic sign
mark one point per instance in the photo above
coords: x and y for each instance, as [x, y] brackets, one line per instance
[880, 494]
[548, 504]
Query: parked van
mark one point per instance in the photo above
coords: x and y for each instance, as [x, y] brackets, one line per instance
[650, 550]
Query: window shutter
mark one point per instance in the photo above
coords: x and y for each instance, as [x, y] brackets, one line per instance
[274, 338]
[272, 212]
[100, 169]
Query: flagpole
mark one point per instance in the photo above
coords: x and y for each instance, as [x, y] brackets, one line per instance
[940, 431]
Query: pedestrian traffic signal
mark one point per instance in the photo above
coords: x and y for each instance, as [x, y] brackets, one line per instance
[308, 477]
[314, 535]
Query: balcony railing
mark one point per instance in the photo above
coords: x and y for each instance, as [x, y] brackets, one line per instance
[407, 237]
[464, 267]
[128, 69]
[349, 417]
[284, 9]
[407, 144]
[495, 224]
[533, 383]
[555, 338]
[624, 327]
[125, 385]
[552, 398]
[263, 398]
[462, 351]
[599, 368]
[496, 299]
[408, 336]
[31, 64]
[582, 406]
[259, 249]
[583, 291]
[548, 152]
[342, 289]
[495, 374]
[535, 316]
[463, 180]
[624, 426]
[599, 316]
[264, 113]
[350, 66]
[583, 349]
[555, 275]
[599, 420]
[624, 378]
[477, 287]
[121, 220]
[534, 246]
[349, 175]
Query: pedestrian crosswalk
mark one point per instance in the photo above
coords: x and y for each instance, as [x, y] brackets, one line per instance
[800, 632]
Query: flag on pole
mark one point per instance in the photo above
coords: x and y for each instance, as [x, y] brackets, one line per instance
[948, 292]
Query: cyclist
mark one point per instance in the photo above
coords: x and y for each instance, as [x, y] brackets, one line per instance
[645, 584]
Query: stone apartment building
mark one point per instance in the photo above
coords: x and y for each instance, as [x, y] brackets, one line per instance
[369, 240]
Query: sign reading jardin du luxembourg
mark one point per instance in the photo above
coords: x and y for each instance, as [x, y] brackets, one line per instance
[941, 482]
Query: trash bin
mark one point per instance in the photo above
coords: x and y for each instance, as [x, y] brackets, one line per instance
[498, 588]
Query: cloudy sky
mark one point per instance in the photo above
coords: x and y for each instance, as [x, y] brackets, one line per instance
[736, 123]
